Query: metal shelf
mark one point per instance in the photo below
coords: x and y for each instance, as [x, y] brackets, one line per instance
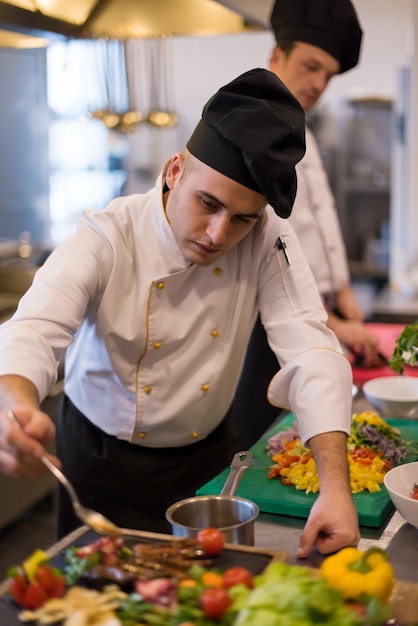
[363, 176]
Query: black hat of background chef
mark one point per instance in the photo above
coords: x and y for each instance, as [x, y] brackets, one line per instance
[253, 131]
[328, 24]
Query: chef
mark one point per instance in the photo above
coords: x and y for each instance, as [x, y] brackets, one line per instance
[316, 41]
[154, 299]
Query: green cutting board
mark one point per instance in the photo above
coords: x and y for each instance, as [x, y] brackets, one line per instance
[274, 497]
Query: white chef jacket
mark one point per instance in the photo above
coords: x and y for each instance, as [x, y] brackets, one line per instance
[156, 344]
[315, 220]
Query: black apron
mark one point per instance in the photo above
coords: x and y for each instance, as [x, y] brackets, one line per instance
[130, 484]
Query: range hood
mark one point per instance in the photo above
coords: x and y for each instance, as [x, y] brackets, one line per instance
[44, 20]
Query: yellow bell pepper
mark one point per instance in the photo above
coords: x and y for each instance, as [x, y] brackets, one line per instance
[39, 557]
[358, 574]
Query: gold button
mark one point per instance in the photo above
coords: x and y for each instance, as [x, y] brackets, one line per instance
[217, 271]
[215, 333]
[195, 435]
[160, 285]
[141, 435]
[205, 387]
[157, 345]
[147, 389]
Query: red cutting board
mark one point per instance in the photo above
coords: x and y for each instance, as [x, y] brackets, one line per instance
[274, 497]
[388, 334]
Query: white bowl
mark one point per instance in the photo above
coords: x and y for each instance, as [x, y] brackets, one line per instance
[393, 396]
[399, 482]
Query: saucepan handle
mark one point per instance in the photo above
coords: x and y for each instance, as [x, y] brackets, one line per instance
[239, 464]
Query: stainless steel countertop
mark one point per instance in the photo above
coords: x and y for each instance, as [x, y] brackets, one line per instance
[399, 538]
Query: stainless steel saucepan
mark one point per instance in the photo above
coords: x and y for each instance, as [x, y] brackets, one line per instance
[233, 515]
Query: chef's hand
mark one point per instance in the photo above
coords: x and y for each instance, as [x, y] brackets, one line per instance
[332, 524]
[333, 520]
[358, 339]
[21, 448]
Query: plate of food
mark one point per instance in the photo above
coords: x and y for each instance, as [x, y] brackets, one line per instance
[86, 561]
[159, 580]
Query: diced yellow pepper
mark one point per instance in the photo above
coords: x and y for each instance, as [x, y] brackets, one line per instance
[370, 418]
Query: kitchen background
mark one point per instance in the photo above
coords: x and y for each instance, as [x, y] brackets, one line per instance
[57, 156]
[58, 159]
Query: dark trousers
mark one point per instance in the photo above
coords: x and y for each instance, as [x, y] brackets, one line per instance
[133, 485]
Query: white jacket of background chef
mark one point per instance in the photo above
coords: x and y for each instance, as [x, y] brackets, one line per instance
[157, 344]
[315, 220]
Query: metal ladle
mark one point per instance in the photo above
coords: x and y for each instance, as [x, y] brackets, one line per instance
[95, 520]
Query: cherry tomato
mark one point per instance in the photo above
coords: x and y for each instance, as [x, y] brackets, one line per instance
[414, 493]
[44, 575]
[238, 575]
[35, 596]
[18, 587]
[214, 602]
[58, 588]
[211, 540]
[51, 580]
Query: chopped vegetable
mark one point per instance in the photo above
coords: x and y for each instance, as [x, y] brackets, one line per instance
[277, 442]
[367, 470]
[406, 349]
[369, 430]
[359, 575]
[304, 476]
[414, 492]
[374, 447]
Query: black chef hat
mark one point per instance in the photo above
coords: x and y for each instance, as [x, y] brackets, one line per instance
[253, 131]
[328, 24]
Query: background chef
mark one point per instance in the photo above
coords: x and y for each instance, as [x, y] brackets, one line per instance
[316, 41]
